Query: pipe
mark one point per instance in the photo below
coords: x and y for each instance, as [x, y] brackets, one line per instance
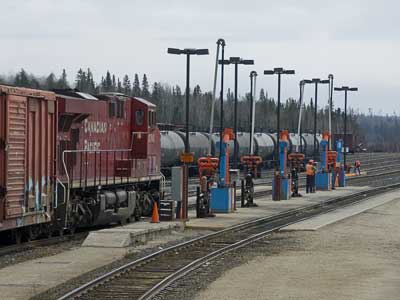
[213, 96]
[300, 117]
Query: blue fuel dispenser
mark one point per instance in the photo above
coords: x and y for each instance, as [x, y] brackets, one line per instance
[342, 171]
[281, 183]
[222, 195]
[323, 179]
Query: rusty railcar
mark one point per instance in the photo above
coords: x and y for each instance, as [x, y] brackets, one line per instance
[28, 128]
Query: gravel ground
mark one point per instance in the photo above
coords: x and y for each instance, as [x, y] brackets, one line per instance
[39, 252]
[134, 253]
[357, 258]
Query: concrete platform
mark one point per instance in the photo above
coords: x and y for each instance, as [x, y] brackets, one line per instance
[130, 235]
[343, 213]
[24, 280]
[267, 207]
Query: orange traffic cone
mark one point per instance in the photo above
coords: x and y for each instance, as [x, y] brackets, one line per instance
[155, 218]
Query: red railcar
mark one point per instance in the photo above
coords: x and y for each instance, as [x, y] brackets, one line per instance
[70, 159]
[28, 127]
[109, 157]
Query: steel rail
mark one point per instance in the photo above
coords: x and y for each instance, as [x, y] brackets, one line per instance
[222, 251]
[80, 291]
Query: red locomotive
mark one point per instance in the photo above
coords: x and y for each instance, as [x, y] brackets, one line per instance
[70, 159]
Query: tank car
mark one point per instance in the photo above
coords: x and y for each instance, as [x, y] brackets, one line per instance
[172, 145]
[198, 143]
[264, 146]
[215, 145]
[309, 144]
[296, 143]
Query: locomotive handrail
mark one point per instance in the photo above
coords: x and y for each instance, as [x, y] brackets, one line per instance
[68, 177]
[162, 185]
[64, 188]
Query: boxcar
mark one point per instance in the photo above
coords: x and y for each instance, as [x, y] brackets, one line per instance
[27, 158]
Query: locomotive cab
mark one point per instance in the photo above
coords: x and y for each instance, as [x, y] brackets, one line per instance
[143, 123]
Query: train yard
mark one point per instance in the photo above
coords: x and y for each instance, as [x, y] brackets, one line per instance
[97, 166]
[154, 273]
[373, 164]
[232, 178]
[380, 173]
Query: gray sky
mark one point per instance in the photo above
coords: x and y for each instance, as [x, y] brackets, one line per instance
[357, 41]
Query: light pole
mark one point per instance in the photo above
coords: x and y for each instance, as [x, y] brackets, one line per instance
[330, 76]
[279, 72]
[253, 75]
[316, 81]
[186, 157]
[236, 61]
[345, 89]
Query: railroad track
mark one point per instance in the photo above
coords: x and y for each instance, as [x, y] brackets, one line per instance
[16, 248]
[268, 179]
[146, 277]
[351, 181]
[365, 158]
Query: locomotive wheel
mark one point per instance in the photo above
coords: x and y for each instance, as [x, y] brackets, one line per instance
[138, 212]
[146, 205]
[33, 232]
[17, 236]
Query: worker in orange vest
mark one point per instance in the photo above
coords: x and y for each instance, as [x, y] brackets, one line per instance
[313, 177]
[310, 174]
[357, 165]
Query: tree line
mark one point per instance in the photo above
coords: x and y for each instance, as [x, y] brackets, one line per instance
[376, 131]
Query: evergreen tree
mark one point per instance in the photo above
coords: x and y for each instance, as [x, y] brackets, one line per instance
[91, 86]
[114, 84]
[81, 80]
[119, 86]
[262, 95]
[22, 79]
[145, 87]
[126, 84]
[50, 82]
[107, 84]
[178, 91]
[155, 95]
[136, 87]
[196, 91]
[62, 82]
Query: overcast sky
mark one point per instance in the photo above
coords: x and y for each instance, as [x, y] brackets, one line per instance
[357, 41]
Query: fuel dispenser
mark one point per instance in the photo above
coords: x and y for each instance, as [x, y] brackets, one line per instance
[323, 179]
[281, 183]
[251, 165]
[296, 164]
[222, 195]
[342, 171]
[207, 167]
